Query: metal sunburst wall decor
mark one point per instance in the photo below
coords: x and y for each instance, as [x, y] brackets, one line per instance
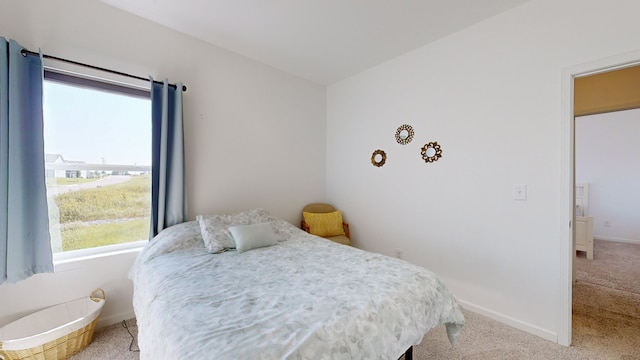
[404, 134]
[431, 152]
[378, 158]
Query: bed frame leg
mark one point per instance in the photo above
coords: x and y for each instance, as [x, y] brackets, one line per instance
[408, 355]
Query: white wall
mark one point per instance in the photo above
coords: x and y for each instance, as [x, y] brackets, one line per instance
[490, 95]
[71, 281]
[607, 148]
[255, 136]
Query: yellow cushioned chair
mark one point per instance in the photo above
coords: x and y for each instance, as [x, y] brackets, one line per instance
[324, 220]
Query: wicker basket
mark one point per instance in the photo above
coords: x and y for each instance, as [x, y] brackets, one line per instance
[46, 335]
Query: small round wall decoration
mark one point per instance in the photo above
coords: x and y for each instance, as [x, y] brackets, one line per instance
[404, 134]
[431, 152]
[378, 158]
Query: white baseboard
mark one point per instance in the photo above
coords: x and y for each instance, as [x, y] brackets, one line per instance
[515, 323]
[114, 319]
[606, 238]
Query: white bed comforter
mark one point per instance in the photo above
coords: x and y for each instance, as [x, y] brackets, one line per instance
[304, 298]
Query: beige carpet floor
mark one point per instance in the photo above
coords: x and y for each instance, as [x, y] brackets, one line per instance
[606, 321]
[606, 305]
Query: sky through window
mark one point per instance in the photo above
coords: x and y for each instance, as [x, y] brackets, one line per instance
[96, 126]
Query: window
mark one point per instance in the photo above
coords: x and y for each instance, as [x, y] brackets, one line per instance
[97, 140]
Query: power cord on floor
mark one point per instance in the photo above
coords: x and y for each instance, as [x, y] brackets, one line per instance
[133, 338]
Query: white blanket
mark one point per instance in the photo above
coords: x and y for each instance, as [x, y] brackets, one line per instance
[304, 298]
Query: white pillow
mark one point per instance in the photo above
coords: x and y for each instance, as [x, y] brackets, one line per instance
[248, 237]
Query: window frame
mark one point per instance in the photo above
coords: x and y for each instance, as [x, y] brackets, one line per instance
[90, 82]
[116, 87]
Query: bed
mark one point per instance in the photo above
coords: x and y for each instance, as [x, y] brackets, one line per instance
[302, 297]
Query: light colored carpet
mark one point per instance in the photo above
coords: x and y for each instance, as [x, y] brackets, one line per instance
[606, 305]
[113, 343]
[606, 321]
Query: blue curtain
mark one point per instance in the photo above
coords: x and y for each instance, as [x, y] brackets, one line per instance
[168, 188]
[25, 245]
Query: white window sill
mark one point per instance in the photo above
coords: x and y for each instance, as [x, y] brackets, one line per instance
[70, 260]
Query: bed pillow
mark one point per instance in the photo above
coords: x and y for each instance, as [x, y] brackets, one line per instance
[214, 233]
[215, 228]
[249, 237]
[324, 224]
[283, 230]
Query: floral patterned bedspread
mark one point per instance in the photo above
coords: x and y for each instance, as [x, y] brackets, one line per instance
[304, 298]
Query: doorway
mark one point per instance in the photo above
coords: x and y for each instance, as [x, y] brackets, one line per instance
[568, 178]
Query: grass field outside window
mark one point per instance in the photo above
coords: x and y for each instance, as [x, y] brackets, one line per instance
[103, 215]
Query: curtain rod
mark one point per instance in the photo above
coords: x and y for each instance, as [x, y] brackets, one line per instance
[26, 52]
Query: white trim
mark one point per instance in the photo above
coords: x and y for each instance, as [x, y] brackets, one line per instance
[567, 185]
[607, 238]
[566, 214]
[84, 72]
[70, 260]
[515, 323]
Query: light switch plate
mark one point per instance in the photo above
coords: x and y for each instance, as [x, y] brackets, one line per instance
[520, 192]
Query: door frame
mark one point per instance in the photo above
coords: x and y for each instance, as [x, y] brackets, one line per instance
[567, 176]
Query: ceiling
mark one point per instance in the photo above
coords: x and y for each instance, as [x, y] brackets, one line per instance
[324, 41]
